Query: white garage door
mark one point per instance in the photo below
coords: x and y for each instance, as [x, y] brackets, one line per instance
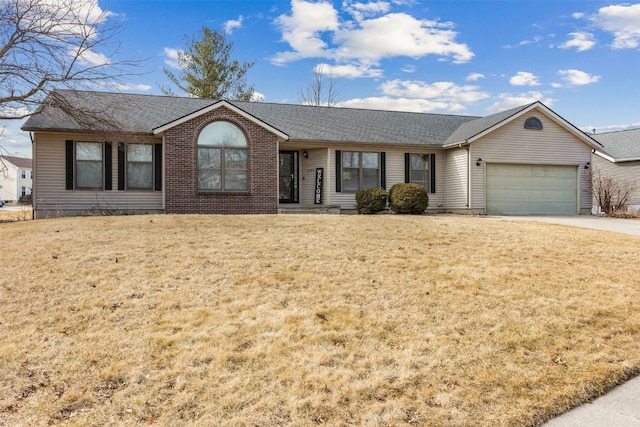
[531, 189]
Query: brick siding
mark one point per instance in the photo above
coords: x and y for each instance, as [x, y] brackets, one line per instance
[181, 189]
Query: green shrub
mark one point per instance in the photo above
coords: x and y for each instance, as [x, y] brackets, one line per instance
[371, 201]
[408, 199]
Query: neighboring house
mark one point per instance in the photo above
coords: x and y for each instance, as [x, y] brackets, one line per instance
[15, 178]
[189, 155]
[619, 158]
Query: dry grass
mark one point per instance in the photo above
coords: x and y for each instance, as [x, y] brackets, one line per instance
[311, 320]
[23, 214]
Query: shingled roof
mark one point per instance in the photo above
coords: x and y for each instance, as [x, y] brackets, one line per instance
[19, 162]
[141, 114]
[622, 145]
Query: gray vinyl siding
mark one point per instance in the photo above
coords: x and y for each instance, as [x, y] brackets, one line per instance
[394, 173]
[52, 197]
[456, 179]
[623, 171]
[511, 143]
[307, 177]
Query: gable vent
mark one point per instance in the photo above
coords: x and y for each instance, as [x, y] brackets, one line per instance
[533, 123]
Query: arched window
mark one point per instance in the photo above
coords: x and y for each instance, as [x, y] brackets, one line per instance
[533, 123]
[222, 158]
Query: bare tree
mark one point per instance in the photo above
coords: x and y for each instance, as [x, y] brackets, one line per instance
[55, 44]
[610, 194]
[320, 92]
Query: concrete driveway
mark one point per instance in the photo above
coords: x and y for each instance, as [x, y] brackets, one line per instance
[617, 225]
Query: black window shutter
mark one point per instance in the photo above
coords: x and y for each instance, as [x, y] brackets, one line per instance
[158, 167]
[108, 163]
[338, 171]
[121, 166]
[407, 167]
[383, 170]
[432, 169]
[68, 150]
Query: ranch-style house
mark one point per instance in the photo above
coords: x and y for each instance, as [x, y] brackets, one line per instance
[156, 154]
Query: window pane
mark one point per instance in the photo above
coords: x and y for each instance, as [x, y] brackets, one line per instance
[235, 180]
[89, 151]
[351, 179]
[223, 134]
[209, 179]
[370, 179]
[209, 158]
[369, 160]
[139, 153]
[235, 158]
[351, 159]
[420, 177]
[89, 174]
[418, 162]
[140, 175]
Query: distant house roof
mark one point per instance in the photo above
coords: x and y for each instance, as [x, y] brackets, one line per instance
[144, 114]
[620, 146]
[19, 162]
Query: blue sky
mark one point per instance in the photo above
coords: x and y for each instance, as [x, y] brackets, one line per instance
[580, 58]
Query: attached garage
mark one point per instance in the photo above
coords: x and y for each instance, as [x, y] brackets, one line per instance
[515, 189]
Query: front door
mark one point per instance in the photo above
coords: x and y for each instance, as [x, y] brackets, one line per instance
[288, 177]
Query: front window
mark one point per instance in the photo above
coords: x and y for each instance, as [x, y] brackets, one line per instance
[420, 170]
[222, 158]
[89, 164]
[140, 166]
[360, 170]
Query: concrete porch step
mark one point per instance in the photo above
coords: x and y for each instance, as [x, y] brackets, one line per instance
[308, 209]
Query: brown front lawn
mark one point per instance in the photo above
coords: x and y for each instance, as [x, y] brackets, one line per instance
[311, 320]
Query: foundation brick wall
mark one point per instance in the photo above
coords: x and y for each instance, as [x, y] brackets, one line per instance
[181, 189]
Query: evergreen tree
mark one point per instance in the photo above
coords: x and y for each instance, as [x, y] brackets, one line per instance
[207, 71]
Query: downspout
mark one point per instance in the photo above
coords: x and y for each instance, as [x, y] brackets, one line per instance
[34, 198]
[164, 174]
[468, 148]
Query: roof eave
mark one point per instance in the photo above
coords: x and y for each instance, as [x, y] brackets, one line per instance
[219, 104]
[614, 160]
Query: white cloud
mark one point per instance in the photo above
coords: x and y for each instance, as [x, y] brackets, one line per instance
[361, 11]
[89, 57]
[232, 24]
[138, 87]
[577, 77]
[257, 96]
[78, 17]
[580, 40]
[417, 96]
[399, 34]
[302, 29]
[171, 59]
[523, 78]
[535, 40]
[401, 104]
[623, 21]
[472, 77]
[314, 30]
[443, 92]
[409, 68]
[351, 71]
[507, 101]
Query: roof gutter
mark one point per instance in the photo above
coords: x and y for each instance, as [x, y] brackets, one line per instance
[613, 160]
[457, 144]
